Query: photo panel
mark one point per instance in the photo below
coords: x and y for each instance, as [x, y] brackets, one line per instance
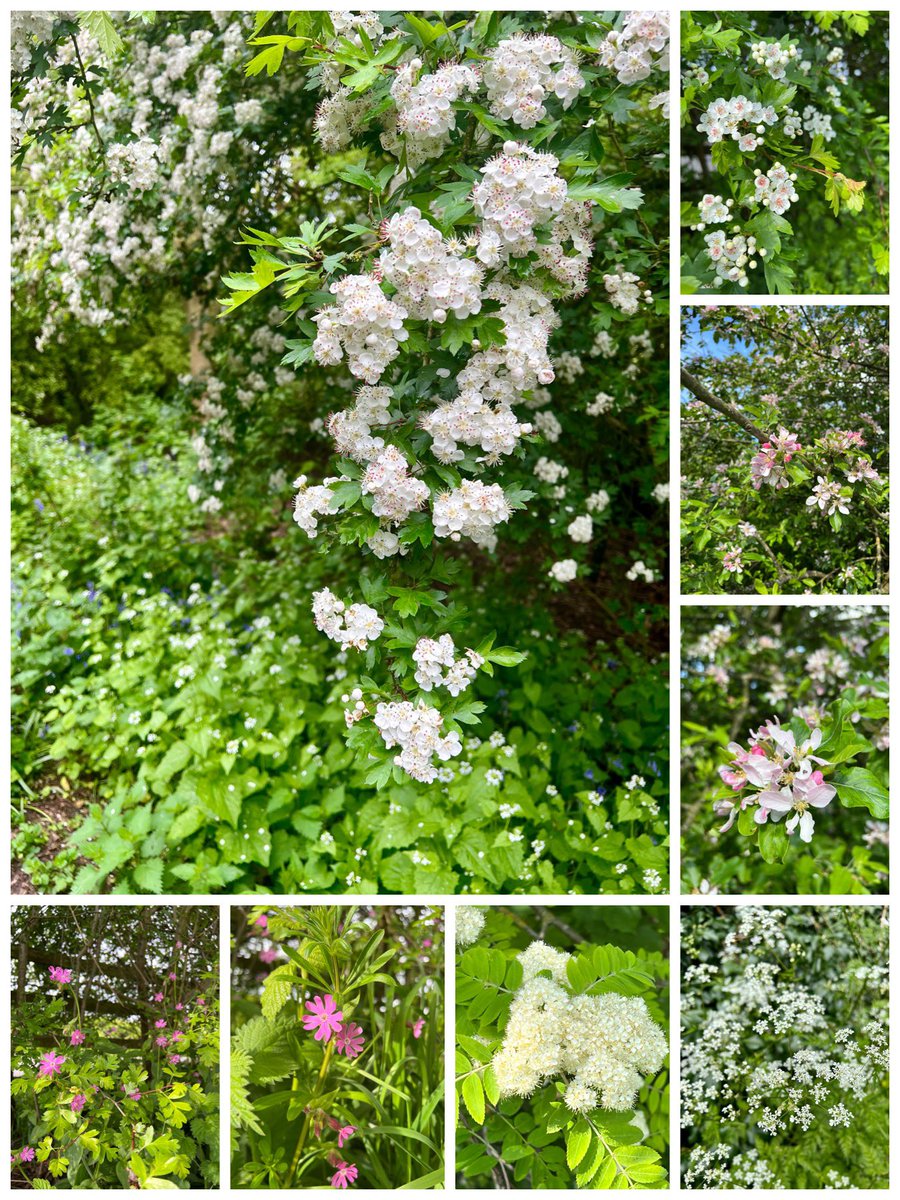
[115, 1050]
[784, 1047]
[337, 1046]
[562, 1018]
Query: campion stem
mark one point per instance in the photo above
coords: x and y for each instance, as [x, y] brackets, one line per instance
[304, 1132]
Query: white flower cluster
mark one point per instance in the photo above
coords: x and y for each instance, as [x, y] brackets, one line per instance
[416, 730]
[564, 571]
[828, 497]
[431, 656]
[518, 190]
[425, 113]
[641, 46]
[338, 119]
[430, 279]
[599, 1045]
[471, 510]
[396, 493]
[313, 502]
[135, 163]
[364, 324]
[775, 190]
[352, 427]
[581, 529]
[732, 255]
[523, 71]
[469, 924]
[713, 210]
[773, 57]
[356, 625]
[626, 291]
[733, 118]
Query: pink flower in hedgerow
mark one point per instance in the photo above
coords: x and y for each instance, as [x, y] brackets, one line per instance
[345, 1133]
[51, 1064]
[160, 1024]
[418, 1026]
[78, 1103]
[162, 1040]
[77, 1037]
[796, 800]
[345, 1174]
[60, 974]
[350, 1040]
[324, 1017]
[26, 1154]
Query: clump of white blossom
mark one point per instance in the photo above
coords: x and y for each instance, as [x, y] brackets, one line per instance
[351, 625]
[523, 71]
[416, 730]
[469, 924]
[599, 1046]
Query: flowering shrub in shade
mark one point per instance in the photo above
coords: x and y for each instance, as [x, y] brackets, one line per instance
[561, 1054]
[784, 1047]
[337, 1048]
[114, 1085]
[784, 446]
[785, 741]
[784, 123]
[226, 697]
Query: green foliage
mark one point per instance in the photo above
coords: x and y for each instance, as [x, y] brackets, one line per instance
[292, 1093]
[537, 1142]
[826, 667]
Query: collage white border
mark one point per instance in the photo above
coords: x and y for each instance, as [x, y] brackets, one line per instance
[674, 901]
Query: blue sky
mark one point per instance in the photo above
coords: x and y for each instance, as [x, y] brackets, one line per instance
[694, 341]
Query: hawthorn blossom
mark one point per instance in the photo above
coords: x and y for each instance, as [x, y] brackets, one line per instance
[349, 1040]
[324, 1017]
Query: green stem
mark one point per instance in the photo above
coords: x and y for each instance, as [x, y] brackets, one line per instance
[304, 1132]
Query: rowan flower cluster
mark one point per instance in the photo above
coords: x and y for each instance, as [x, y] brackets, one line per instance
[416, 729]
[523, 71]
[782, 771]
[354, 625]
[469, 924]
[599, 1045]
[438, 666]
[364, 325]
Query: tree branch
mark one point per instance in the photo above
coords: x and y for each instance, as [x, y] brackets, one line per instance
[731, 411]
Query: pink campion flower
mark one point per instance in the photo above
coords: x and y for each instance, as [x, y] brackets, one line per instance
[201, 1002]
[160, 1024]
[77, 1037]
[345, 1174]
[51, 1064]
[172, 976]
[174, 1059]
[268, 956]
[324, 1017]
[26, 1154]
[78, 1102]
[345, 1133]
[60, 974]
[418, 1026]
[796, 800]
[162, 1040]
[350, 1040]
[177, 1034]
[130, 1095]
[262, 920]
[158, 997]
[179, 1007]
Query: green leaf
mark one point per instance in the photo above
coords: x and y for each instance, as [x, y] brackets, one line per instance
[773, 841]
[149, 875]
[577, 1141]
[859, 788]
[473, 1097]
[99, 25]
[277, 990]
